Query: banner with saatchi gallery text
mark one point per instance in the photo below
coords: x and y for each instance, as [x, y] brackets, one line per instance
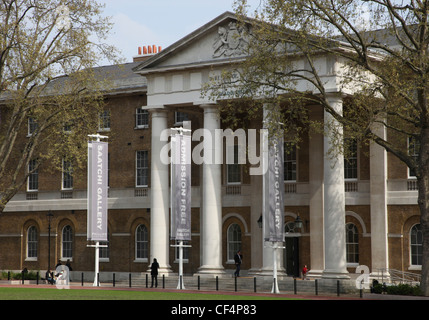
[181, 187]
[273, 192]
[97, 191]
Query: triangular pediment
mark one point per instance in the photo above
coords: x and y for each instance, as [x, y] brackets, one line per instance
[220, 40]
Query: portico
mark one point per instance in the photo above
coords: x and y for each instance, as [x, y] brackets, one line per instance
[175, 78]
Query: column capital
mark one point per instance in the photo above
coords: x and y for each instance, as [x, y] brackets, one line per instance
[209, 107]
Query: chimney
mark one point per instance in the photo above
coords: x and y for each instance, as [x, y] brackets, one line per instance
[146, 52]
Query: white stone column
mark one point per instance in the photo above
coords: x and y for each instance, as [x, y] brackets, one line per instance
[334, 197]
[316, 263]
[211, 209]
[378, 201]
[159, 212]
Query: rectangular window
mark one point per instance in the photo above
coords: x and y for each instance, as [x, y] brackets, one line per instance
[142, 118]
[104, 121]
[351, 159]
[234, 170]
[33, 177]
[32, 126]
[142, 168]
[67, 183]
[179, 117]
[413, 151]
[289, 161]
[185, 251]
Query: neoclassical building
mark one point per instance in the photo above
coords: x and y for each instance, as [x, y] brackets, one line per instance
[362, 211]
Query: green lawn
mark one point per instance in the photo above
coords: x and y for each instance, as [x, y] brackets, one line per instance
[94, 294]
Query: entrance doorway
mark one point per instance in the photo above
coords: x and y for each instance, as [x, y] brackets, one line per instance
[292, 256]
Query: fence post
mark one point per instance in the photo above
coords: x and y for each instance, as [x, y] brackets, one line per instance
[294, 285]
[147, 280]
[23, 276]
[199, 284]
[113, 279]
[254, 284]
[163, 281]
[316, 287]
[217, 283]
[129, 279]
[235, 284]
[8, 276]
[37, 278]
[338, 288]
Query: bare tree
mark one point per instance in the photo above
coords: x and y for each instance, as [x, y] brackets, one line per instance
[50, 97]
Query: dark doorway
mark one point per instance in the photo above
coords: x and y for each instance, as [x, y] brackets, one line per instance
[291, 256]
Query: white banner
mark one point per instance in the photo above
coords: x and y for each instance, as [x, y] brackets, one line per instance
[181, 187]
[273, 193]
[97, 191]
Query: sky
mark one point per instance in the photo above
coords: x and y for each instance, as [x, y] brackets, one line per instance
[139, 23]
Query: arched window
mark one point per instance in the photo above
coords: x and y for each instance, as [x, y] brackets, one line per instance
[352, 243]
[67, 242]
[142, 242]
[416, 245]
[32, 243]
[233, 240]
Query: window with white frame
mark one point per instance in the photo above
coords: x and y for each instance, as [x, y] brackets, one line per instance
[142, 243]
[289, 161]
[416, 245]
[352, 243]
[233, 240]
[32, 243]
[179, 117]
[142, 118]
[142, 168]
[104, 121]
[32, 126]
[185, 252]
[33, 176]
[67, 183]
[413, 151]
[351, 159]
[67, 242]
[233, 171]
[104, 252]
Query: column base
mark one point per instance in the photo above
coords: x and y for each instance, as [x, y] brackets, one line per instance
[211, 271]
[268, 272]
[335, 274]
[315, 273]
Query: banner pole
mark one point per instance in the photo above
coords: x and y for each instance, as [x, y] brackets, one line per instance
[97, 264]
[98, 138]
[180, 285]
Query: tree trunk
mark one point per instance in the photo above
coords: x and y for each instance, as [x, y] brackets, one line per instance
[423, 202]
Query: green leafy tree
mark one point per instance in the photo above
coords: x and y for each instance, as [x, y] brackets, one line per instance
[378, 50]
[50, 96]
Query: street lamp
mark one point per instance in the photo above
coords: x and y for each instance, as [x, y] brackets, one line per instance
[49, 215]
[298, 222]
[260, 222]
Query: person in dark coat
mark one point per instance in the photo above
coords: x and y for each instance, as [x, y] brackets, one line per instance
[238, 258]
[154, 272]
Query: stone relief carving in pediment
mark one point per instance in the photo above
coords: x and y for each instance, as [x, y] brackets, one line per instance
[230, 41]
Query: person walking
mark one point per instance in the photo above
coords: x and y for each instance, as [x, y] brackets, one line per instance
[238, 258]
[304, 272]
[154, 272]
